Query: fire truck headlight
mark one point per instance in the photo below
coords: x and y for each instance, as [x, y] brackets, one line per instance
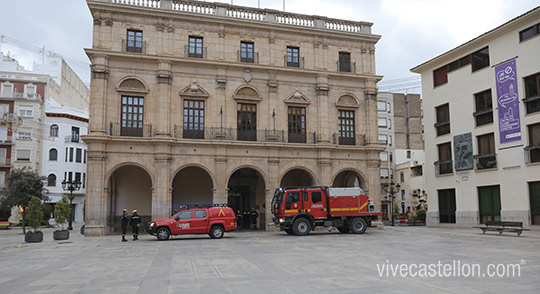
[152, 224]
[281, 220]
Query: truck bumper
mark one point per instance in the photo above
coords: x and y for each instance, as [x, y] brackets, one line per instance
[151, 230]
[284, 222]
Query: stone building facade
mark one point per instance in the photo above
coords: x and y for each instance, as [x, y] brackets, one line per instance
[195, 102]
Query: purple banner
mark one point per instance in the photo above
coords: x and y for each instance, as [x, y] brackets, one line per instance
[507, 100]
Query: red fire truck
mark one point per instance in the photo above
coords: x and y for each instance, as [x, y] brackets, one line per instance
[298, 210]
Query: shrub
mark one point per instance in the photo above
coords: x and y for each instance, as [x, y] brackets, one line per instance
[421, 215]
[61, 212]
[34, 213]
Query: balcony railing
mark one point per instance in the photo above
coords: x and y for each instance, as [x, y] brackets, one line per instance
[289, 63]
[485, 161]
[254, 59]
[6, 139]
[483, 117]
[532, 154]
[73, 139]
[230, 134]
[133, 49]
[358, 140]
[346, 67]
[5, 161]
[202, 55]
[442, 128]
[116, 129]
[20, 95]
[443, 167]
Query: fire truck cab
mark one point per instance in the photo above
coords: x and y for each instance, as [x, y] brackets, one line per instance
[298, 210]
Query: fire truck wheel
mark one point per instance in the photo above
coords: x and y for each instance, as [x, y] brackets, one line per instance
[345, 229]
[216, 232]
[289, 231]
[163, 234]
[301, 227]
[358, 225]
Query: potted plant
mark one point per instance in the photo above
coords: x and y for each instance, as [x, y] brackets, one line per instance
[34, 214]
[61, 214]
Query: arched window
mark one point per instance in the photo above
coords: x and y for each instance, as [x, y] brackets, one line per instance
[54, 131]
[53, 154]
[51, 180]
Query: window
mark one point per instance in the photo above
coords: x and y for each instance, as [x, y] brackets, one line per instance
[385, 173]
[23, 155]
[383, 139]
[316, 197]
[346, 127]
[200, 214]
[408, 154]
[134, 41]
[70, 176]
[247, 52]
[292, 197]
[533, 149]
[51, 180]
[7, 90]
[389, 139]
[534, 194]
[529, 32]
[402, 196]
[66, 154]
[440, 76]
[26, 111]
[78, 155]
[447, 206]
[247, 122]
[383, 156]
[132, 116]
[489, 199]
[71, 154]
[84, 156]
[344, 62]
[54, 131]
[416, 171]
[402, 177]
[381, 122]
[4, 108]
[65, 173]
[193, 119]
[30, 91]
[83, 180]
[2, 179]
[195, 47]
[297, 124]
[532, 93]
[24, 133]
[75, 134]
[3, 156]
[486, 157]
[78, 177]
[480, 59]
[444, 165]
[484, 108]
[443, 120]
[293, 56]
[186, 215]
[381, 106]
[53, 155]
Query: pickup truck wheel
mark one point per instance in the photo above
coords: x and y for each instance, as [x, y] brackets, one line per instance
[163, 234]
[358, 225]
[289, 231]
[301, 227]
[216, 232]
[345, 229]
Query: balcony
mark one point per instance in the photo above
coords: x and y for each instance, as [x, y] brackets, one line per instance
[230, 134]
[6, 140]
[357, 140]
[194, 54]
[17, 95]
[254, 58]
[485, 161]
[532, 154]
[5, 162]
[116, 129]
[133, 49]
[443, 167]
[346, 66]
[290, 62]
[443, 128]
[483, 117]
[72, 139]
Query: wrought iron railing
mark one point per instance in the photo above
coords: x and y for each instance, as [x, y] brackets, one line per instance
[532, 154]
[443, 167]
[133, 49]
[117, 129]
[485, 161]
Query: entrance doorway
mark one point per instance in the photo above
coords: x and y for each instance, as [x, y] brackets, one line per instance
[246, 192]
[191, 185]
[297, 178]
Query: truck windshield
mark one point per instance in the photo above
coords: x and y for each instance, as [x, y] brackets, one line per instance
[278, 198]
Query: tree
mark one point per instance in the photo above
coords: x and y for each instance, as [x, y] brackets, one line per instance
[23, 183]
[35, 213]
[61, 212]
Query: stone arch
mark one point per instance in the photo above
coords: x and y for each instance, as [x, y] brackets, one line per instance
[246, 187]
[207, 170]
[192, 184]
[256, 168]
[300, 172]
[350, 177]
[132, 83]
[116, 167]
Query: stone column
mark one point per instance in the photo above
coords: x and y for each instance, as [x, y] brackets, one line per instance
[98, 97]
[221, 190]
[96, 193]
[323, 130]
[272, 182]
[161, 191]
[374, 179]
[273, 103]
[164, 80]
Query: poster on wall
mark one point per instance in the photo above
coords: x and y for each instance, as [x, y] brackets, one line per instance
[507, 100]
[463, 152]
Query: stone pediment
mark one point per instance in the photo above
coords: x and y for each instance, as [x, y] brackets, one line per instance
[132, 85]
[194, 90]
[297, 98]
[247, 93]
[347, 101]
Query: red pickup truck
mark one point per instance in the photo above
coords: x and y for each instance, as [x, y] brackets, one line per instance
[214, 221]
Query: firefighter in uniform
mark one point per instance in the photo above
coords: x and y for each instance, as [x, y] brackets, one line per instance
[253, 215]
[125, 220]
[135, 223]
[239, 217]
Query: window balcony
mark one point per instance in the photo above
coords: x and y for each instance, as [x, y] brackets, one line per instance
[230, 134]
[5, 162]
[532, 154]
[443, 128]
[357, 140]
[72, 139]
[292, 62]
[250, 57]
[143, 130]
[483, 117]
[485, 161]
[346, 66]
[195, 53]
[443, 167]
[133, 49]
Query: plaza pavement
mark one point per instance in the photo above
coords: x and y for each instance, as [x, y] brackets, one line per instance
[264, 262]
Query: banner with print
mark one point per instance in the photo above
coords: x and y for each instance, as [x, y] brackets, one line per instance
[507, 100]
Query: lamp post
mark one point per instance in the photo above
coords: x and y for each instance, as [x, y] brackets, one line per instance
[71, 186]
[394, 188]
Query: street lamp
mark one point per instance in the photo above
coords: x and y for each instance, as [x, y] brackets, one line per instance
[394, 188]
[71, 186]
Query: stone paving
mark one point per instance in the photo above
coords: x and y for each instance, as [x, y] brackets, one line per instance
[265, 262]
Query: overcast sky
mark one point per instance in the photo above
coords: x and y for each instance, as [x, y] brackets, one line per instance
[413, 31]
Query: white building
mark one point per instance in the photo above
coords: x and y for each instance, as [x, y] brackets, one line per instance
[64, 153]
[482, 124]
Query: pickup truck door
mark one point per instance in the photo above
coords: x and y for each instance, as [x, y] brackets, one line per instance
[200, 222]
[183, 223]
